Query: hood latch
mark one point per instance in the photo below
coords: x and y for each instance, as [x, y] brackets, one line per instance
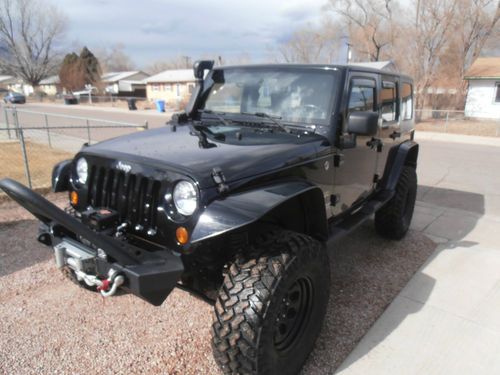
[220, 180]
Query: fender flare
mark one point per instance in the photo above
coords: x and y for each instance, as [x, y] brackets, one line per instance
[404, 154]
[60, 176]
[238, 210]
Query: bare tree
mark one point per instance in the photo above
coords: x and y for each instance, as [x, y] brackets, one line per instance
[114, 59]
[179, 62]
[434, 20]
[476, 22]
[370, 25]
[310, 45]
[29, 33]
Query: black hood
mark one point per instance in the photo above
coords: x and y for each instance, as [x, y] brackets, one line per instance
[183, 151]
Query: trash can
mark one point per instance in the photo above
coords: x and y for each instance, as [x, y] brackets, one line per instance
[70, 99]
[160, 105]
[131, 104]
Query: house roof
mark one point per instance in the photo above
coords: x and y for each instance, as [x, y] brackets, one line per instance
[7, 79]
[118, 76]
[380, 65]
[484, 68]
[173, 75]
[52, 80]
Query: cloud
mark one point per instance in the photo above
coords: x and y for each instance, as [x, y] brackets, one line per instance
[155, 29]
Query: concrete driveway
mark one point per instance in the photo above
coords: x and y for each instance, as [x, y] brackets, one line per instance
[446, 320]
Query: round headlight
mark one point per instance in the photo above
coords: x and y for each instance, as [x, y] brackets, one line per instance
[185, 198]
[82, 170]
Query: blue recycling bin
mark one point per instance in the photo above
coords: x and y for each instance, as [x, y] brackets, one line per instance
[160, 105]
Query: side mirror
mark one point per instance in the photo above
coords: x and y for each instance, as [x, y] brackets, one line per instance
[362, 123]
[200, 66]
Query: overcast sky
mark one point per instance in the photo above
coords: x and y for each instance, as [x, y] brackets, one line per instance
[154, 29]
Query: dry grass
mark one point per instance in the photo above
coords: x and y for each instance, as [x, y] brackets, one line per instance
[466, 127]
[41, 159]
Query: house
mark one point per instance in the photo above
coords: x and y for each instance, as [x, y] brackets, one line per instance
[7, 81]
[12, 83]
[51, 85]
[483, 93]
[125, 83]
[171, 85]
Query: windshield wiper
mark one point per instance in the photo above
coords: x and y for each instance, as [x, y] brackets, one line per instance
[274, 119]
[216, 114]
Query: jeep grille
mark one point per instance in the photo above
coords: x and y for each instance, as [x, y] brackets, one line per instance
[134, 196]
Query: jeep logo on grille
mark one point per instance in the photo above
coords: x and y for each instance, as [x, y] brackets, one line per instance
[123, 167]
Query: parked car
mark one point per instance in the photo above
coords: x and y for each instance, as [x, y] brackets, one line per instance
[14, 98]
[237, 198]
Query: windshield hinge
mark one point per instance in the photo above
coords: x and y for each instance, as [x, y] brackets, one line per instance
[220, 180]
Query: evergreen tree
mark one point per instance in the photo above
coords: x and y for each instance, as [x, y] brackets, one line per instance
[78, 71]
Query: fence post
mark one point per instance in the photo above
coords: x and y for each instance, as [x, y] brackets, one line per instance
[88, 129]
[48, 130]
[16, 120]
[7, 121]
[25, 158]
[146, 125]
[446, 123]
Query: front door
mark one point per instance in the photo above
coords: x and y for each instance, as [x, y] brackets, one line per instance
[357, 159]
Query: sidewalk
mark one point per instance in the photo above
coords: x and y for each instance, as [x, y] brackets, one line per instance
[447, 318]
[141, 112]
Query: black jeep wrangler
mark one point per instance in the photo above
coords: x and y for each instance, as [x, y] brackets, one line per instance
[236, 198]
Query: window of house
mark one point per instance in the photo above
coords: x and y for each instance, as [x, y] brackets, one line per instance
[362, 98]
[168, 87]
[406, 101]
[497, 96]
[156, 87]
[388, 99]
[190, 88]
[178, 90]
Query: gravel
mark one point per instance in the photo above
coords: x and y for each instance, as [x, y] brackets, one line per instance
[48, 324]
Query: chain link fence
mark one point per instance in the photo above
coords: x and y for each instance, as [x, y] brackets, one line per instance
[458, 122]
[32, 142]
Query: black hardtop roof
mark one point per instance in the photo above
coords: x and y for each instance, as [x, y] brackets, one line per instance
[352, 68]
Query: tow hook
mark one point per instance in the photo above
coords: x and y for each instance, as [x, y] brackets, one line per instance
[107, 287]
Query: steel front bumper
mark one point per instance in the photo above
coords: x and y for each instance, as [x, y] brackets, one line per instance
[149, 275]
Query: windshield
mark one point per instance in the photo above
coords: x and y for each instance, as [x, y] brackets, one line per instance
[298, 95]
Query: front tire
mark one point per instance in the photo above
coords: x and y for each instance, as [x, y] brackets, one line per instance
[393, 220]
[270, 307]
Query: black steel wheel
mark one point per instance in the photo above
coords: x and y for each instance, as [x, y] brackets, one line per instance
[270, 307]
[294, 314]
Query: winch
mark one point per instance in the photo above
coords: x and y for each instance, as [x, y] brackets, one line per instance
[81, 261]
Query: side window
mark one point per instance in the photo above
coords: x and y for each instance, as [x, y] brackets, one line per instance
[361, 98]
[406, 101]
[389, 99]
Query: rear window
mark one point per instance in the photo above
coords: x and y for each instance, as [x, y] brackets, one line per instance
[389, 103]
[406, 101]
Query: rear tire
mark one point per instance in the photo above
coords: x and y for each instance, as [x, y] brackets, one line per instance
[270, 307]
[393, 220]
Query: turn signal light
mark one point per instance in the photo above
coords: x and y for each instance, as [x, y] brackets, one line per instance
[182, 235]
[73, 198]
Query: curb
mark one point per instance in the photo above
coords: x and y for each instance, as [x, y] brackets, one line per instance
[457, 138]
